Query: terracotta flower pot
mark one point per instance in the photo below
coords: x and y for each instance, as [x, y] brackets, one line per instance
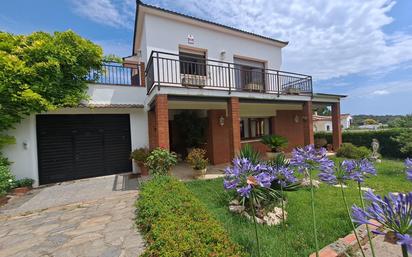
[272, 155]
[143, 169]
[3, 200]
[200, 173]
[21, 190]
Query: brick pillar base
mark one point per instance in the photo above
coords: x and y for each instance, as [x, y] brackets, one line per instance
[308, 123]
[158, 120]
[234, 126]
[217, 137]
[336, 127]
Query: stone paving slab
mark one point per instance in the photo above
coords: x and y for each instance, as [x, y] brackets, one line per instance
[101, 227]
[73, 192]
[382, 248]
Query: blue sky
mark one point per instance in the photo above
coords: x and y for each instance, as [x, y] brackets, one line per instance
[360, 48]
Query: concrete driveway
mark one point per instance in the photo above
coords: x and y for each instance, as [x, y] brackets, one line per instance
[92, 217]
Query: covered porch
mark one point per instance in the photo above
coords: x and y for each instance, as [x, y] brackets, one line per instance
[228, 124]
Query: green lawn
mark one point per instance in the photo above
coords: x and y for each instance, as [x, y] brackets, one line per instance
[297, 238]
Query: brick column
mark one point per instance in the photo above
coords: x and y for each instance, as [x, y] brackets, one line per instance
[234, 126]
[308, 123]
[162, 122]
[142, 75]
[151, 121]
[336, 127]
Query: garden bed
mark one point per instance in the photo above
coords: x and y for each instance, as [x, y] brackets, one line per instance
[297, 239]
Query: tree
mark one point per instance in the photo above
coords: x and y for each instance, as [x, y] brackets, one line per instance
[41, 72]
[323, 110]
[402, 122]
[405, 140]
[370, 122]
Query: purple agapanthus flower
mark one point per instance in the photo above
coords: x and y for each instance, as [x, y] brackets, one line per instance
[284, 176]
[408, 164]
[357, 170]
[393, 213]
[308, 158]
[243, 176]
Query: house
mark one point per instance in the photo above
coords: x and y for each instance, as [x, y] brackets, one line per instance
[231, 79]
[324, 123]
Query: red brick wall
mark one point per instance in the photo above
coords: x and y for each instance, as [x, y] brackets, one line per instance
[158, 122]
[285, 125]
[162, 121]
[336, 126]
[308, 123]
[217, 137]
[234, 126]
[152, 128]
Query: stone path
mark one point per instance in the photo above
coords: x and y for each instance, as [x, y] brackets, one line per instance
[382, 248]
[100, 227]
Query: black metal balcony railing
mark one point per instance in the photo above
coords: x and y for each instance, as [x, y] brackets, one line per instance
[116, 74]
[167, 69]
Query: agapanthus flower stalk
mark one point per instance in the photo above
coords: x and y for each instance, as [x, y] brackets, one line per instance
[306, 160]
[393, 213]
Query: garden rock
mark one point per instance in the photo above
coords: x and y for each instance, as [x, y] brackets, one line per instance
[271, 218]
[305, 182]
[274, 217]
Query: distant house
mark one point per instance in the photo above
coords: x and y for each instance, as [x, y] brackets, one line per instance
[324, 123]
[372, 126]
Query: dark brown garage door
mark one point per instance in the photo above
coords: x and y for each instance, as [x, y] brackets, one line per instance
[81, 146]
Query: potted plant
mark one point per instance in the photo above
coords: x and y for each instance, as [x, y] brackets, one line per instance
[275, 144]
[320, 142]
[198, 161]
[139, 156]
[160, 161]
[22, 186]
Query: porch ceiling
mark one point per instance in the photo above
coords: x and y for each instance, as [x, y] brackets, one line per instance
[197, 105]
[265, 109]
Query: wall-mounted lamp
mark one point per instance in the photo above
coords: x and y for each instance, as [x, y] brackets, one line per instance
[223, 54]
[221, 121]
[296, 119]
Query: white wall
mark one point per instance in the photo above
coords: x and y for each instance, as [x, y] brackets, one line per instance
[164, 34]
[107, 94]
[25, 159]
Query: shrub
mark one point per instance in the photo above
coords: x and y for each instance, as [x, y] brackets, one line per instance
[140, 154]
[6, 180]
[160, 161]
[274, 142]
[24, 182]
[389, 147]
[176, 223]
[249, 153]
[350, 151]
[197, 159]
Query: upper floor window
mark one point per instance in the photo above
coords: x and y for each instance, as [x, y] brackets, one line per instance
[192, 62]
[250, 75]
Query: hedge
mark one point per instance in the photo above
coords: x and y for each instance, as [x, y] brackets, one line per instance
[388, 146]
[176, 223]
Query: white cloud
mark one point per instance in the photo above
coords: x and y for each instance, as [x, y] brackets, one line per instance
[382, 89]
[328, 39]
[114, 13]
[380, 92]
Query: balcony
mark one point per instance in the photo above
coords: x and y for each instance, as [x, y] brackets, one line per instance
[117, 74]
[171, 70]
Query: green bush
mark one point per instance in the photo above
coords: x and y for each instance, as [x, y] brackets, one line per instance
[389, 147]
[160, 161]
[24, 182]
[6, 180]
[405, 140]
[274, 142]
[350, 151]
[176, 223]
[250, 153]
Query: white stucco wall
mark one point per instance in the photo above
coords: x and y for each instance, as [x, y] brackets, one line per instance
[108, 94]
[23, 154]
[166, 35]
